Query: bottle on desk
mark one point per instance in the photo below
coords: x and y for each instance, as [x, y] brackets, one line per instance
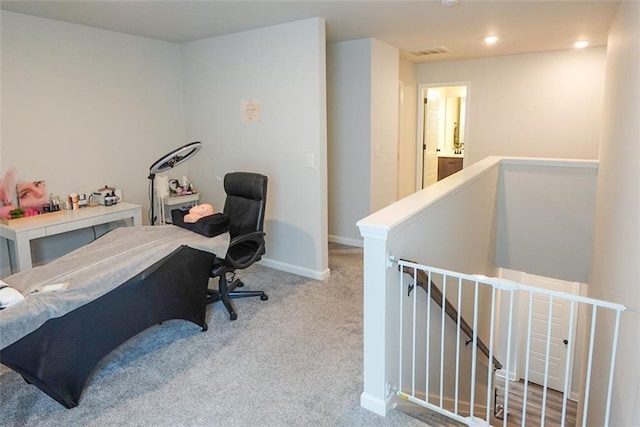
[110, 199]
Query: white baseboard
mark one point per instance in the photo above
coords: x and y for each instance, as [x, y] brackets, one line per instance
[358, 243]
[375, 405]
[294, 269]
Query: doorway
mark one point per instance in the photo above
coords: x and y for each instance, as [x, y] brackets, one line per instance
[563, 345]
[442, 130]
[559, 347]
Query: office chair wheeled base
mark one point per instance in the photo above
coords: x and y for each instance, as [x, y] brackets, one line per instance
[228, 293]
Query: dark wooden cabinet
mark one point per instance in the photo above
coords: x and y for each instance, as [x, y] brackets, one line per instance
[448, 166]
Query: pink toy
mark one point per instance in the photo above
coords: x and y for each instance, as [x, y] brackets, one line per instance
[7, 186]
[7, 189]
[5, 212]
[197, 212]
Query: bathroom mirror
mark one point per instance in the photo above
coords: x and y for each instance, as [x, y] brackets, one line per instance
[453, 141]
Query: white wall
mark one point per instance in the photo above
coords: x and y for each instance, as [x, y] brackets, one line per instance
[408, 128]
[83, 107]
[432, 227]
[459, 224]
[545, 217]
[282, 67]
[616, 250]
[385, 69]
[362, 91]
[532, 105]
[519, 327]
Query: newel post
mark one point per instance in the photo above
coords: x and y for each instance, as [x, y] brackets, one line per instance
[381, 324]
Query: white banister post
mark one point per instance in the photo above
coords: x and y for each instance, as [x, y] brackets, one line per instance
[380, 323]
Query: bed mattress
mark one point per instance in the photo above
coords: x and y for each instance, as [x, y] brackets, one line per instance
[92, 271]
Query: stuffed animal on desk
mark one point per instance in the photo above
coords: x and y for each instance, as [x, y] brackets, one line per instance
[197, 212]
[7, 189]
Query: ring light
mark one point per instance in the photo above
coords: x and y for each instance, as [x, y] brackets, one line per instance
[167, 162]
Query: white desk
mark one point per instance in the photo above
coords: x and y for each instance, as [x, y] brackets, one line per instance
[22, 233]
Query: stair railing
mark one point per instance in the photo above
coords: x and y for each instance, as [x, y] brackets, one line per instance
[451, 311]
[603, 314]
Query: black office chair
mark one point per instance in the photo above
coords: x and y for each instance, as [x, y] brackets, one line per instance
[245, 207]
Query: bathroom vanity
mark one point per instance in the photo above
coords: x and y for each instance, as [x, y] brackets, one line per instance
[448, 165]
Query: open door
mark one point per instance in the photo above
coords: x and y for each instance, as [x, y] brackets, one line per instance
[431, 108]
[441, 128]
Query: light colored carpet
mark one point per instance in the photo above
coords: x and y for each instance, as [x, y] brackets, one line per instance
[294, 360]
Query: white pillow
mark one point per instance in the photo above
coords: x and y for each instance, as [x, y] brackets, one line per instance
[9, 295]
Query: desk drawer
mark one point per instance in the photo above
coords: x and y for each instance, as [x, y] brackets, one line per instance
[84, 223]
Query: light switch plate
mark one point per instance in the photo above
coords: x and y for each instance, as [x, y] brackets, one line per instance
[310, 163]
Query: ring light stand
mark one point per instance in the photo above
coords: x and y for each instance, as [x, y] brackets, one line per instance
[167, 162]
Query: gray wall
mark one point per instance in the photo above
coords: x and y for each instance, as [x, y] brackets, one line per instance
[349, 136]
[362, 88]
[545, 218]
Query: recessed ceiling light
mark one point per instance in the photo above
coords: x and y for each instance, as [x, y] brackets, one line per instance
[581, 44]
[490, 39]
[448, 2]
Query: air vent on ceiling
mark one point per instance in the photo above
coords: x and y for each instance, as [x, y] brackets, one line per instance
[423, 51]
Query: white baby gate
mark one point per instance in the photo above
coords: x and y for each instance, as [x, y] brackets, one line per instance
[439, 371]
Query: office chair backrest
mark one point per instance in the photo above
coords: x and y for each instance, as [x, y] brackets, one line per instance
[246, 201]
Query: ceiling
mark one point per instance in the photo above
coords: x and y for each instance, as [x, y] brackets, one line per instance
[523, 26]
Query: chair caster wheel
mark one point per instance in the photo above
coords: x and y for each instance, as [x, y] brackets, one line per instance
[233, 316]
[264, 297]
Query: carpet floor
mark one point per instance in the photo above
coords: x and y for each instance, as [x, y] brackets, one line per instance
[294, 360]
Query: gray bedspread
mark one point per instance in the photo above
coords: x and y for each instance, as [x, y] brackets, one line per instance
[92, 271]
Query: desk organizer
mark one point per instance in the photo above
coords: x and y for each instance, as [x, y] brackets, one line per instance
[12, 221]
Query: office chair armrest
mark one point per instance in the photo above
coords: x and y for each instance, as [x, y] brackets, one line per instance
[258, 238]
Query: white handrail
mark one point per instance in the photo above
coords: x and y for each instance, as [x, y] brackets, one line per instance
[511, 285]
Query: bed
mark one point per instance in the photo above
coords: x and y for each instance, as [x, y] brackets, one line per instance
[116, 287]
